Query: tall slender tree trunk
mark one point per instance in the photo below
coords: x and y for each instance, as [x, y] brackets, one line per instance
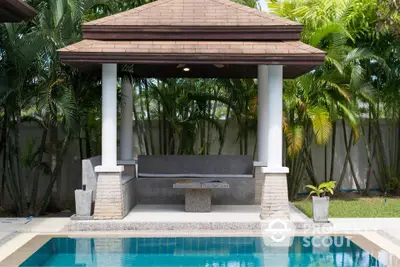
[348, 160]
[333, 151]
[397, 160]
[88, 147]
[246, 132]
[3, 145]
[55, 171]
[160, 137]
[255, 147]
[382, 161]
[15, 183]
[36, 176]
[20, 178]
[81, 156]
[165, 133]
[228, 110]
[141, 122]
[149, 124]
[325, 163]
[307, 156]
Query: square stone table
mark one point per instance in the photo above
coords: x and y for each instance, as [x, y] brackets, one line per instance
[198, 194]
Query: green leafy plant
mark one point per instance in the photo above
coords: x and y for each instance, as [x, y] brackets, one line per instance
[323, 189]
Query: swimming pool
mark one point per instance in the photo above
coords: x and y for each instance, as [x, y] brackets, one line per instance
[199, 251]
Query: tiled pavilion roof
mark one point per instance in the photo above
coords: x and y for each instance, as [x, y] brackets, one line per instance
[193, 19]
[193, 13]
[198, 33]
[15, 11]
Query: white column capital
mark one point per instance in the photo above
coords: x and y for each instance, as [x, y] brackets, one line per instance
[274, 169]
[109, 169]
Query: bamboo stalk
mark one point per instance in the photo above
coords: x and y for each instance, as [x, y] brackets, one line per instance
[146, 145]
[160, 139]
[137, 123]
[228, 109]
[348, 146]
[307, 157]
[333, 152]
[149, 124]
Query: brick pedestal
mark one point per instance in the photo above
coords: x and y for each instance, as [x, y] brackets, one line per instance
[109, 198]
[259, 183]
[274, 200]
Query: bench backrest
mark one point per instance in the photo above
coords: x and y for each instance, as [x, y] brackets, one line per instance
[196, 164]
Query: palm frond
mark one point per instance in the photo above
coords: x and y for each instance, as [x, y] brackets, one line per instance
[294, 139]
[322, 125]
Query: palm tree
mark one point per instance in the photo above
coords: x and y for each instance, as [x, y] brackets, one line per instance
[38, 89]
[315, 101]
[384, 150]
[19, 54]
[186, 110]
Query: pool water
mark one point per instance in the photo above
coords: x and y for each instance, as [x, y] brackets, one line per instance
[200, 251]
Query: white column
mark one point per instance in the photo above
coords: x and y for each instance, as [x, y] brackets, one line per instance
[109, 115]
[274, 198]
[270, 115]
[126, 121]
[274, 116]
[262, 126]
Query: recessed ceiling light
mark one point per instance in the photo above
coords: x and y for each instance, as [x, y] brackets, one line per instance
[186, 69]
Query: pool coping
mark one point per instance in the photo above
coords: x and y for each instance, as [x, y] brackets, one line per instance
[363, 240]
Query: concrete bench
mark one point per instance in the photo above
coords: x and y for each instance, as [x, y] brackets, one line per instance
[161, 172]
[198, 194]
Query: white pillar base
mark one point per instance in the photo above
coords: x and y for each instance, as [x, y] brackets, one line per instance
[274, 198]
[109, 197]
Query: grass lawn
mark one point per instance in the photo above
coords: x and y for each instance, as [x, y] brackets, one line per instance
[357, 207]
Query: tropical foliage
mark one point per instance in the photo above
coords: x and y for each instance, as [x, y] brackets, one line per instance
[354, 91]
[345, 87]
[322, 190]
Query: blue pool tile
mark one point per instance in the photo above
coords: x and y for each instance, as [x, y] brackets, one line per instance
[199, 251]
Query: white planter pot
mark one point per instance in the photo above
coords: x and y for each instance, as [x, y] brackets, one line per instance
[83, 202]
[320, 209]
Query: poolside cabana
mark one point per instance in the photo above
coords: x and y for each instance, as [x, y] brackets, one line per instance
[15, 11]
[212, 38]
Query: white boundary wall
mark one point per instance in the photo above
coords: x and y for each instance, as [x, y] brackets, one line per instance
[71, 177]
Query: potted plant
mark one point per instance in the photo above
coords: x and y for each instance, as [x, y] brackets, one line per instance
[320, 200]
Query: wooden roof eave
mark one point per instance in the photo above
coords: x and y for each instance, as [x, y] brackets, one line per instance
[172, 32]
[154, 58]
[295, 65]
[15, 11]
